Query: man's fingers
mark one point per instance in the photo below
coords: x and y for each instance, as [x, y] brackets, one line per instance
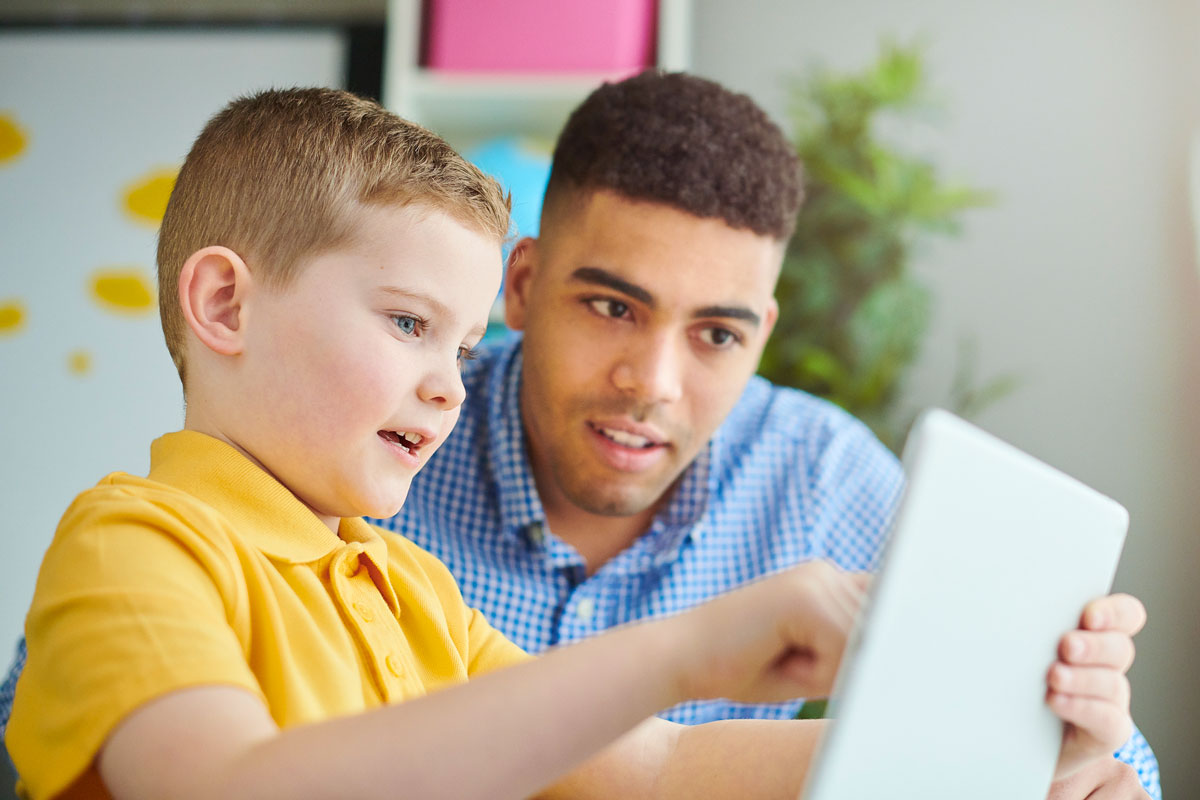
[1098, 683]
[1101, 720]
[1088, 648]
[1116, 612]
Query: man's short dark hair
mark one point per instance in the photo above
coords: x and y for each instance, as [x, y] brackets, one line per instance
[683, 141]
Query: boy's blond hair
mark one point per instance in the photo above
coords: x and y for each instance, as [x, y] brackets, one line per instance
[276, 177]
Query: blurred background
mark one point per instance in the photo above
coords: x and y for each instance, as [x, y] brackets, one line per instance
[1032, 163]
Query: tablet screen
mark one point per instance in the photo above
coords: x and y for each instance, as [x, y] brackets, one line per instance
[991, 559]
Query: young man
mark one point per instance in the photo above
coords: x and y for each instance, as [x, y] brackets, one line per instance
[229, 626]
[619, 461]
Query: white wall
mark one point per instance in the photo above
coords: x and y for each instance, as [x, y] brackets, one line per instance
[1082, 279]
[100, 109]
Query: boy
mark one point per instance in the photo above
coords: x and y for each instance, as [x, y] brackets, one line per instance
[229, 627]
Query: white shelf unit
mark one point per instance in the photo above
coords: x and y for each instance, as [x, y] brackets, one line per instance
[466, 108]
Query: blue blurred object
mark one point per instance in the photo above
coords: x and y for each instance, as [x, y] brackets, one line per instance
[522, 167]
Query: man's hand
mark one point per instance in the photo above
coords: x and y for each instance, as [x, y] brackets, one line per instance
[1102, 779]
[1088, 689]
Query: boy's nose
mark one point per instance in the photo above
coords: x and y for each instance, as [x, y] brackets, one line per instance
[442, 385]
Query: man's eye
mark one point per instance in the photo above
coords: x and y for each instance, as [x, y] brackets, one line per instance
[607, 307]
[407, 324]
[719, 337]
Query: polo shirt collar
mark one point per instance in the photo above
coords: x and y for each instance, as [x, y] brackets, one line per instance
[263, 511]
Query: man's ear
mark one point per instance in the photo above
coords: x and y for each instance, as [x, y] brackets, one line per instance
[213, 286]
[772, 316]
[522, 263]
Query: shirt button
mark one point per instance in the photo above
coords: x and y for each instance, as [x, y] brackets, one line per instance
[585, 609]
[537, 534]
[364, 611]
[393, 665]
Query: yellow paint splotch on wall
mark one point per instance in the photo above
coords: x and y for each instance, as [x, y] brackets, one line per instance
[12, 317]
[13, 139]
[79, 362]
[125, 290]
[146, 198]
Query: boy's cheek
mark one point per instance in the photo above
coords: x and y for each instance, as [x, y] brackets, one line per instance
[449, 420]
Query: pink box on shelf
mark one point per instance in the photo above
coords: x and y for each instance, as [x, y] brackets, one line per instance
[540, 35]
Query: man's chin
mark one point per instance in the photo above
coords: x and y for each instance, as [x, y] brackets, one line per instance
[625, 503]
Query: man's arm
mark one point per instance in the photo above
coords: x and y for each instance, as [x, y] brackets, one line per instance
[7, 690]
[9, 687]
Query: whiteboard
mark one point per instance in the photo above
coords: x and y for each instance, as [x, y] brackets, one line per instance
[90, 123]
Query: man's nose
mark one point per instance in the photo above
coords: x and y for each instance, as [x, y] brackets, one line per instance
[651, 370]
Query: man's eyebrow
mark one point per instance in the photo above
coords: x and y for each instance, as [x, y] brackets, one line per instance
[606, 278]
[729, 312]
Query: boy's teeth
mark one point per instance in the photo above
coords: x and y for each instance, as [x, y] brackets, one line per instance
[412, 438]
[625, 438]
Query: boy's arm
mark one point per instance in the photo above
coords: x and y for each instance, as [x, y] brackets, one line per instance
[512, 732]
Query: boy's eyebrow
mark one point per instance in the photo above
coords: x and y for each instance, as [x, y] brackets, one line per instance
[606, 278]
[438, 306]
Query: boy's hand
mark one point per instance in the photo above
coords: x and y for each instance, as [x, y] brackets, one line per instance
[1087, 685]
[775, 639]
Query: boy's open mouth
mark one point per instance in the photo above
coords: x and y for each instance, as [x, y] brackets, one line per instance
[407, 441]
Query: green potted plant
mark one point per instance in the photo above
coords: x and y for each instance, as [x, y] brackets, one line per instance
[852, 314]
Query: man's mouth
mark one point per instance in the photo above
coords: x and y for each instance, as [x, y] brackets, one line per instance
[405, 440]
[625, 438]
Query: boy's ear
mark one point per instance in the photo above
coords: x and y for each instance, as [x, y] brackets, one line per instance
[213, 286]
[522, 263]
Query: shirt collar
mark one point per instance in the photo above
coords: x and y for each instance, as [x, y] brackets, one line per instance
[263, 511]
[520, 505]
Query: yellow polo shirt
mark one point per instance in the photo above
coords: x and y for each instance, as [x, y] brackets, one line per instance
[209, 571]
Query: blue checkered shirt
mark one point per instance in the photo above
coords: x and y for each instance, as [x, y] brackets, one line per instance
[786, 478]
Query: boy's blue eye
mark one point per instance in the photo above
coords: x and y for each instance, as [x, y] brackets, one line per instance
[407, 324]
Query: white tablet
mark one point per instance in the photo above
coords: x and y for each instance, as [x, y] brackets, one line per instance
[992, 557]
